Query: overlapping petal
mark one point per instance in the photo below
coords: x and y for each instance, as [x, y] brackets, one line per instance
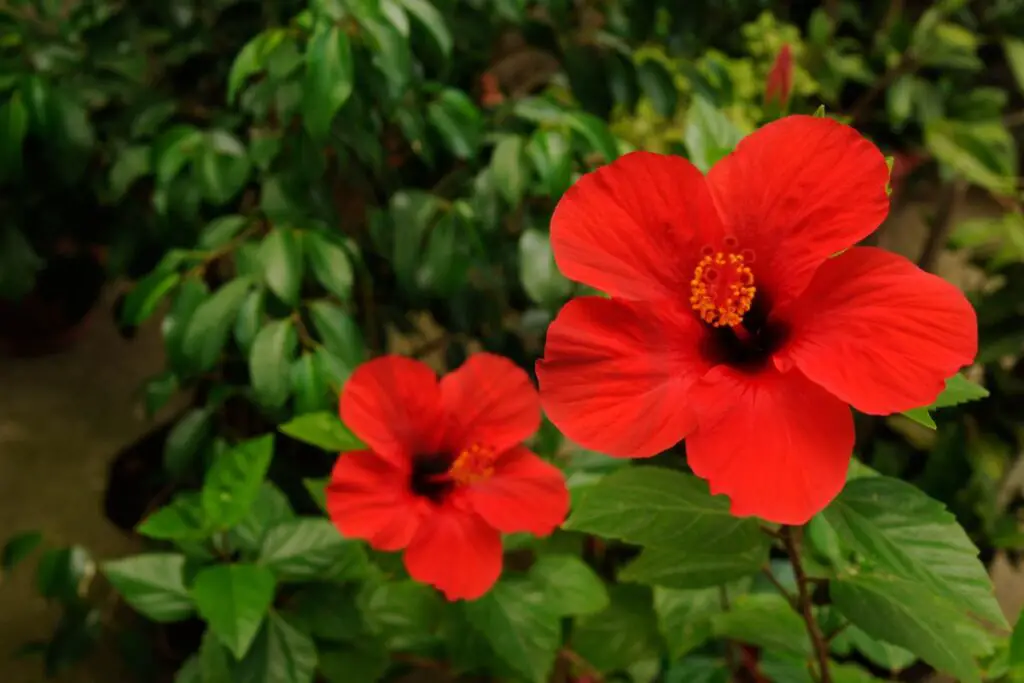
[457, 552]
[525, 494]
[797, 191]
[489, 400]
[394, 405]
[634, 228]
[878, 332]
[776, 444]
[615, 375]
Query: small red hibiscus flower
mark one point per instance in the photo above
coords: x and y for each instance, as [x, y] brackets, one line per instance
[445, 472]
[740, 316]
[779, 84]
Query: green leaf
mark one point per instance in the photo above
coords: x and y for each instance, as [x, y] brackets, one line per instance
[186, 440]
[152, 584]
[281, 255]
[215, 662]
[328, 611]
[13, 127]
[147, 294]
[765, 621]
[458, 121]
[270, 509]
[311, 548]
[220, 231]
[569, 586]
[538, 273]
[508, 165]
[62, 573]
[1014, 48]
[323, 430]
[907, 614]
[132, 163]
[364, 661]
[1017, 643]
[550, 154]
[339, 333]
[445, 262]
[222, 166]
[330, 265]
[709, 135]
[280, 654]
[309, 384]
[404, 614]
[249, 320]
[901, 531]
[317, 489]
[250, 59]
[958, 390]
[982, 152]
[391, 54]
[885, 655]
[427, 15]
[684, 617]
[520, 626]
[621, 636]
[189, 296]
[17, 548]
[673, 515]
[819, 113]
[233, 482]
[180, 520]
[595, 132]
[270, 361]
[233, 599]
[658, 86]
[329, 78]
[208, 327]
[173, 150]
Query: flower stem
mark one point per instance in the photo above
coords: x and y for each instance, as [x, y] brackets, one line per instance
[791, 540]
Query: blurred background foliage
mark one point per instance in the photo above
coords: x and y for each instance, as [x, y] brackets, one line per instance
[294, 187]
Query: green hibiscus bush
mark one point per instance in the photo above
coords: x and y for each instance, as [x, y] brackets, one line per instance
[295, 189]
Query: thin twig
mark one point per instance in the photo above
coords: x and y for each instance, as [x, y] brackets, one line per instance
[791, 538]
[782, 589]
[832, 636]
[940, 226]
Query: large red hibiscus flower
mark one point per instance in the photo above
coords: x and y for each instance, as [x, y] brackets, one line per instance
[742, 318]
[445, 472]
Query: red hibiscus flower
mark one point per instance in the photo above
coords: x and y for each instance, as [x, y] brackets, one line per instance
[779, 83]
[445, 472]
[740, 316]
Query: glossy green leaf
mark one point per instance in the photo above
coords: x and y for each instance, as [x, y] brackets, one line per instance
[458, 120]
[684, 617]
[13, 127]
[133, 163]
[766, 621]
[983, 153]
[521, 627]
[309, 385]
[330, 265]
[1017, 643]
[391, 54]
[152, 584]
[186, 440]
[208, 327]
[323, 430]
[270, 362]
[250, 59]
[623, 635]
[404, 614]
[148, 293]
[672, 515]
[222, 230]
[270, 509]
[63, 573]
[444, 265]
[249, 320]
[317, 490]
[958, 390]
[658, 86]
[187, 300]
[233, 482]
[538, 273]
[885, 655]
[1014, 48]
[595, 132]
[173, 150]
[329, 611]
[180, 520]
[222, 167]
[569, 586]
[280, 654]
[427, 15]
[508, 166]
[233, 599]
[339, 334]
[907, 614]
[281, 256]
[329, 78]
[364, 661]
[709, 135]
[310, 548]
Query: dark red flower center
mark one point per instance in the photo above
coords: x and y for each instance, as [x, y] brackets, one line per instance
[723, 294]
[435, 475]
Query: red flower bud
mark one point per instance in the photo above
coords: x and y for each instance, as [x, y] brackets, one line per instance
[779, 84]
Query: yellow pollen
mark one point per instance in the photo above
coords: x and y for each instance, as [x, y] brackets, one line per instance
[474, 464]
[722, 289]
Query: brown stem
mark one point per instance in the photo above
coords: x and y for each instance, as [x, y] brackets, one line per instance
[791, 539]
[940, 225]
[782, 589]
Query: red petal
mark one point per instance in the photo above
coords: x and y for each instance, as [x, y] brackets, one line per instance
[878, 332]
[795, 192]
[633, 228]
[776, 443]
[393, 404]
[368, 497]
[490, 400]
[615, 374]
[456, 552]
[524, 494]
